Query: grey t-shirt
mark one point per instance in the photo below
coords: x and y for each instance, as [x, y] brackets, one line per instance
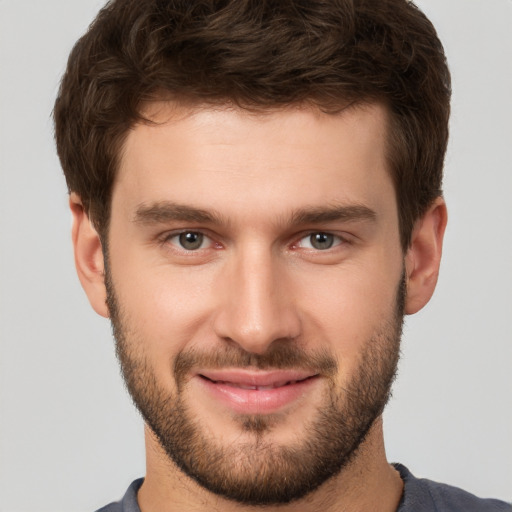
[420, 495]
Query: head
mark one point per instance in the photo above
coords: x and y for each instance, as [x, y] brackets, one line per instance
[256, 190]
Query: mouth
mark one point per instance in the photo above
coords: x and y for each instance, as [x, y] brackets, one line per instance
[257, 392]
[258, 387]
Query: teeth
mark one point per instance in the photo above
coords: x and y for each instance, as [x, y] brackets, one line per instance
[241, 386]
[255, 388]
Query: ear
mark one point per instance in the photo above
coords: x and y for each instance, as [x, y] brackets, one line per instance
[424, 256]
[88, 257]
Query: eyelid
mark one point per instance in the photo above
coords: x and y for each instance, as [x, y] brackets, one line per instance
[165, 239]
[340, 239]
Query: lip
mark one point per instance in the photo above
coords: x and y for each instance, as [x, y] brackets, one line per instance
[256, 392]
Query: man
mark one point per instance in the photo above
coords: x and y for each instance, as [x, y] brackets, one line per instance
[256, 193]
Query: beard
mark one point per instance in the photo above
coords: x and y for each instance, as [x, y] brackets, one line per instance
[258, 471]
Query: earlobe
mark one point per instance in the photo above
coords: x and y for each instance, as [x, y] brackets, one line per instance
[424, 256]
[89, 260]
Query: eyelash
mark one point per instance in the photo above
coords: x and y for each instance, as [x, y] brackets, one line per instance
[337, 240]
[168, 237]
[166, 240]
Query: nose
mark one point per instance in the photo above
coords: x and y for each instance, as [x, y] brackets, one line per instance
[256, 302]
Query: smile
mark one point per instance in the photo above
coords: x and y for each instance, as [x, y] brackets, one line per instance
[247, 392]
[256, 387]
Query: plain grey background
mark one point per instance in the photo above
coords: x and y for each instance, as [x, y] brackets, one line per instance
[70, 439]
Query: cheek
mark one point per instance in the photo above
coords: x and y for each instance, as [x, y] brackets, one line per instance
[346, 307]
[164, 308]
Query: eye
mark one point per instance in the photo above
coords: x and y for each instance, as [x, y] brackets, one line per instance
[320, 241]
[190, 240]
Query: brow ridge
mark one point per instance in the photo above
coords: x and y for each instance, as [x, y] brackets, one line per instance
[168, 211]
[331, 213]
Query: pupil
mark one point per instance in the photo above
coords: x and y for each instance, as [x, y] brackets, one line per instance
[191, 240]
[322, 241]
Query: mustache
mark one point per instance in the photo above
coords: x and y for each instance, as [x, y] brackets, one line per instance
[281, 355]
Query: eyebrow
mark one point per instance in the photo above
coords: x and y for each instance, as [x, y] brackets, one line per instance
[331, 213]
[168, 211]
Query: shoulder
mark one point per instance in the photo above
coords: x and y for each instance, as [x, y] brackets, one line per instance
[422, 495]
[128, 502]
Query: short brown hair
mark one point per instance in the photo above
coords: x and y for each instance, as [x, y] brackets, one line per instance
[256, 54]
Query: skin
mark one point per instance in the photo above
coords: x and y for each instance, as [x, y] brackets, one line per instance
[257, 279]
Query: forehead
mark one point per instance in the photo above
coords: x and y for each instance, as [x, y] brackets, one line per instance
[246, 163]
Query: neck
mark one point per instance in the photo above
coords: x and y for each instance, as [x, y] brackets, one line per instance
[367, 483]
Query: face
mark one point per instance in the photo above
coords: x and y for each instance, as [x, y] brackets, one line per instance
[255, 288]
